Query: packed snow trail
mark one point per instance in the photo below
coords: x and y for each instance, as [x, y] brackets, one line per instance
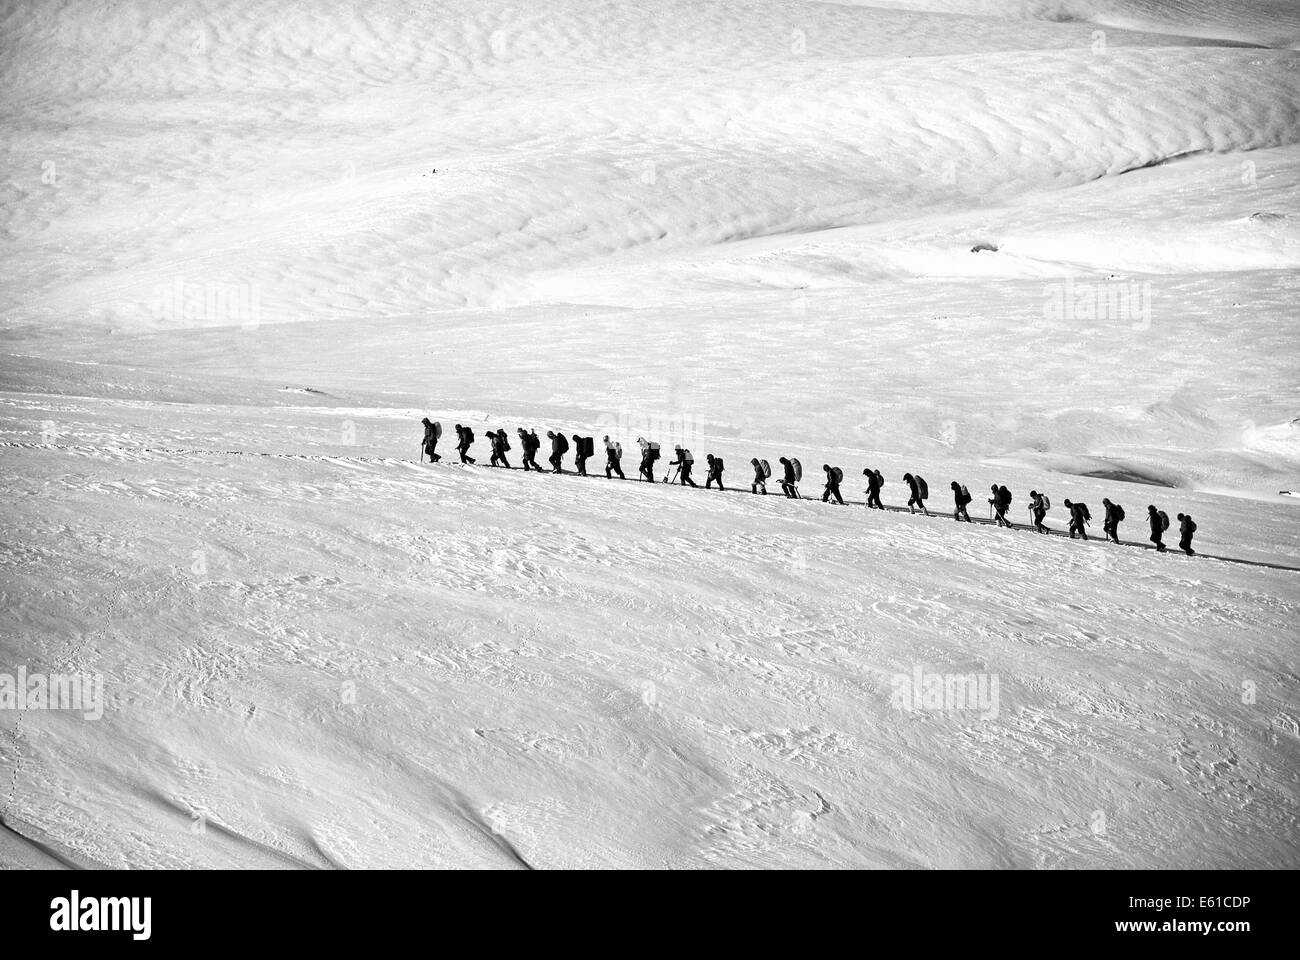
[936, 512]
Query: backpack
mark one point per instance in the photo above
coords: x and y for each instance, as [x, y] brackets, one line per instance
[838, 474]
[467, 437]
[767, 469]
[561, 444]
[1119, 513]
[1083, 509]
[505, 441]
[1164, 520]
[965, 495]
[717, 464]
[922, 486]
[798, 469]
[880, 479]
[652, 451]
[1005, 496]
[437, 431]
[1191, 526]
[687, 457]
[618, 451]
[1046, 502]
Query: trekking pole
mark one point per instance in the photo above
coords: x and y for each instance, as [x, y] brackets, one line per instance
[422, 451]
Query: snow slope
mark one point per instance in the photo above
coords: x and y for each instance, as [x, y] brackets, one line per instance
[568, 672]
[1264, 22]
[246, 246]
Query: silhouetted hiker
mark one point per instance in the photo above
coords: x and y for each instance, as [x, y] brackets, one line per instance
[1001, 502]
[613, 459]
[432, 432]
[920, 492]
[683, 463]
[788, 480]
[581, 451]
[1186, 527]
[559, 447]
[960, 499]
[1079, 519]
[833, 477]
[464, 437]
[1159, 524]
[760, 477]
[715, 472]
[1114, 514]
[1039, 504]
[875, 480]
[649, 454]
[530, 443]
[499, 447]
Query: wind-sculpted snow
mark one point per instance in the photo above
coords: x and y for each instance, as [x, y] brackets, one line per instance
[1267, 22]
[301, 166]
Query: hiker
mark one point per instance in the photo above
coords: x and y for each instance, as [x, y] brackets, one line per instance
[530, 444]
[464, 437]
[960, 498]
[499, 447]
[715, 472]
[789, 480]
[833, 477]
[1039, 504]
[875, 480]
[649, 454]
[613, 459]
[1114, 514]
[1186, 527]
[430, 441]
[760, 478]
[919, 493]
[1159, 524]
[580, 454]
[1079, 519]
[683, 463]
[1001, 503]
[559, 446]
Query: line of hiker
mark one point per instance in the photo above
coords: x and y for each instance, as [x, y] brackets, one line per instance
[792, 475]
